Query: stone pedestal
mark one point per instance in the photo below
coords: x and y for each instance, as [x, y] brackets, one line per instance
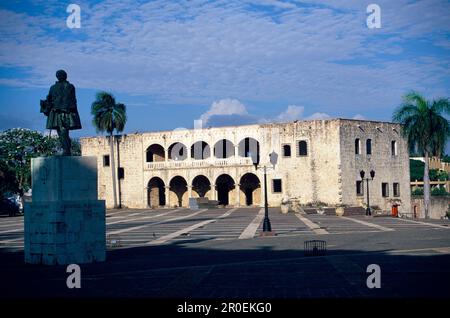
[64, 223]
[193, 204]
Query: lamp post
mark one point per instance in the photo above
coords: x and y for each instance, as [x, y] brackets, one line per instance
[267, 227]
[372, 175]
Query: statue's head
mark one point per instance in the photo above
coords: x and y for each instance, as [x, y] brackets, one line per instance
[61, 75]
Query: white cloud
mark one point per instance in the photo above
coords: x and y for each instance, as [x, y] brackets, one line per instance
[359, 117]
[291, 113]
[273, 3]
[192, 52]
[317, 116]
[227, 112]
[226, 107]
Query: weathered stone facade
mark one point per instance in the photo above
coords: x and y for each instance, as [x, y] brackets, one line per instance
[166, 168]
[439, 205]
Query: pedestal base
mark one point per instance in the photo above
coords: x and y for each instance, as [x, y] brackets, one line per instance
[59, 233]
[64, 223]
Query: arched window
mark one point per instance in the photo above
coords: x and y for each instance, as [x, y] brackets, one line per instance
[155, 153]
[200, 150]
[286, 150]
[357, 146]
[393, 148]
[223, 149]
[302, 148]
[369, 146]
[177, 151]
[248, 146]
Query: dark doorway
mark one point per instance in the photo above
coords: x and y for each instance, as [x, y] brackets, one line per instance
[248, 196]
[178, 185]
[201, 185]
[156, 193]
[250, 185]
[224, 184]
[222, 193]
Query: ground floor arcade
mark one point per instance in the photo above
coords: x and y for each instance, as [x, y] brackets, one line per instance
[228, 192]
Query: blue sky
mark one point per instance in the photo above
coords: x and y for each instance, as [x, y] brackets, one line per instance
[224, 62]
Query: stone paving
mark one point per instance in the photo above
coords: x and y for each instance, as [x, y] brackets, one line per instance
[182, 253]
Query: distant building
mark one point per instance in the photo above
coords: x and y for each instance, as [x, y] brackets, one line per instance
[319, 161]
[435, 163]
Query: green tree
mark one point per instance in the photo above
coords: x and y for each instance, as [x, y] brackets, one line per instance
[439, 191]
[17, 147]
[438, 175]
[109, 116]
[426, 129]
[416, 170]
[8, 182]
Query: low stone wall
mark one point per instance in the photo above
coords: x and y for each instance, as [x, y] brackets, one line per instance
[438, 206]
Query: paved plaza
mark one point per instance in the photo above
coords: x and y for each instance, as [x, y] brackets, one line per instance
[218, 253]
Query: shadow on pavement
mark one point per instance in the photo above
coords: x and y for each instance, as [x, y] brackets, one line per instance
[179, 271]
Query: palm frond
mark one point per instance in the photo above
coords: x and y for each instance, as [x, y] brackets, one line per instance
[441, 106]
[107, 114]
[415, 98]
[422, 123]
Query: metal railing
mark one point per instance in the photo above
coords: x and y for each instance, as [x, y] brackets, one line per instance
[189, 163]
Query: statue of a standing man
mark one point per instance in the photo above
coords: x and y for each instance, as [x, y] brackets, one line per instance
[60, 107]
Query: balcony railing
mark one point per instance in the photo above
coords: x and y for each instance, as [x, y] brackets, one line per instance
[190, 164]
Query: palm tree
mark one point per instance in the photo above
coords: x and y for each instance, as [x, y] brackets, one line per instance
[109, 116]
[426, 129]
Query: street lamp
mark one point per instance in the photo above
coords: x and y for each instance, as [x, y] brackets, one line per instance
[372, 175]
[267, 228]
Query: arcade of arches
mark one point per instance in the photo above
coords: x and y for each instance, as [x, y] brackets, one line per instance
[225, 190]
[200, 150]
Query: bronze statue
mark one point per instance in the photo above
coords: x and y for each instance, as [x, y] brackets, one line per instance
[60, 107]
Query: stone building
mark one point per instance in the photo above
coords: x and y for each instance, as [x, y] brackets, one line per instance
[319, 162]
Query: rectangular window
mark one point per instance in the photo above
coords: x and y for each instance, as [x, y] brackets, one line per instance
[396, 187]
[302, 148]
[369, 146]
[286, 150]
[393, 148]
[276, 183]
[359, 188]
[357, 146]
[385, 189]
[121, 173]
[106, 161]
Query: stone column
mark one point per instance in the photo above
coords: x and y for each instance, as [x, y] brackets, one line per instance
[213, 192]
[146, 194]
[236, 151]
[166, 154]
[238, 194]
[167, 196]
[189, 189]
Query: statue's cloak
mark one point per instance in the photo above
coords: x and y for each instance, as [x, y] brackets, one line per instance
[61, 107]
